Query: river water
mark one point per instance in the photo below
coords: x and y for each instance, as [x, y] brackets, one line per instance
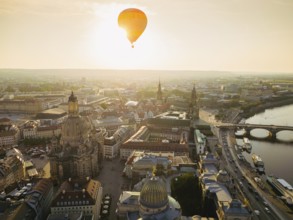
[278, 157]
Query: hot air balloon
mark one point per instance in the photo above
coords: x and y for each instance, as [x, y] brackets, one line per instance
[133, 21]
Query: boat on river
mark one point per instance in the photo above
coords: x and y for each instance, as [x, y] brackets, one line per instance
[283, 187]
[247, 145]
[258, 163]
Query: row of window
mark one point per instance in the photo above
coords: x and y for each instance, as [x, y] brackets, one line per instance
[73, 203]
[84, 208]
[85, 212]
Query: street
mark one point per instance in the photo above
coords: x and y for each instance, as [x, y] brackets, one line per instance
[259, 199]
[113, 183]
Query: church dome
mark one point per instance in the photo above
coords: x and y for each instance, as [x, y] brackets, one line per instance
[153, 194]
[75, 131]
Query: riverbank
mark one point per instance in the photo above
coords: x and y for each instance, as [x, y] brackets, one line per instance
[261, 108]
[277, 156]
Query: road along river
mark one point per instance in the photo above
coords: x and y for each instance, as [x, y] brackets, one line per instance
[278, 157]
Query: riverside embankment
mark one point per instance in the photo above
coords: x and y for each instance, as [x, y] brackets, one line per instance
[249, 112]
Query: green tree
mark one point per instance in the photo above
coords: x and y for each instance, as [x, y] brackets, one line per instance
[186, 190]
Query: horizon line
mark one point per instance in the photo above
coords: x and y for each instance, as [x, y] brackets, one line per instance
[169, 70]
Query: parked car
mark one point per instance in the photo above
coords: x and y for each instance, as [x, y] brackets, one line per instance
[267, 210]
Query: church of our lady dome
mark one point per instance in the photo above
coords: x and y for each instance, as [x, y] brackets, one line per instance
[77, 153]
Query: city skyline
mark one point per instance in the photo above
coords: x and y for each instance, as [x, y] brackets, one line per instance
[87, 147]
[182, 35]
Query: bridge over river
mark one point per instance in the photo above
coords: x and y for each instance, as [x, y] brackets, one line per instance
[272, 129]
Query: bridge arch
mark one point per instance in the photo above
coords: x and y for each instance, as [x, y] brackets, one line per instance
[260, 133]
[274, 132]
[284, 135]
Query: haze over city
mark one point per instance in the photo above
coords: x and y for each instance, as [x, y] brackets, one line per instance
[228, 35]
[144, 109]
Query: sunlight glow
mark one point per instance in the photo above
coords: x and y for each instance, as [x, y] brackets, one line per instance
[108, 39]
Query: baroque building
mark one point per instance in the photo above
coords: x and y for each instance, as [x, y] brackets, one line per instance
[77, 199]
[151, 202]
[79, 151]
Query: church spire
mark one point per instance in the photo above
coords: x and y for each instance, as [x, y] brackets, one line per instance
[194, 108]
[159, 92]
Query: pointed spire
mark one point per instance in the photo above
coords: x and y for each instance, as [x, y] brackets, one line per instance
[159, 92]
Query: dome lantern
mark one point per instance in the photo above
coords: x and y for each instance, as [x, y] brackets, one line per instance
[73, 105]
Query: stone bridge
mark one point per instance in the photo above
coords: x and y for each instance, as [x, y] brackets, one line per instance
[272, 129]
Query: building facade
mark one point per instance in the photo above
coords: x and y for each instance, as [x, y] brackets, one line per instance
[112, 144]
[200, 142]
[11, 171]
[152, 202]
[79, 151]
[29, 129]
[164, 133]
[30, 106]
[75, 197]
[9, 133]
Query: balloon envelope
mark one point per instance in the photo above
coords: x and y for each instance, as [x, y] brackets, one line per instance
[134, 22]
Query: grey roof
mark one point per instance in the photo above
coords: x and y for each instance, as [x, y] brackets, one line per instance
[220, 191]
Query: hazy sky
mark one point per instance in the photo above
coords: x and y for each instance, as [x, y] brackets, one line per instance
[233, 35]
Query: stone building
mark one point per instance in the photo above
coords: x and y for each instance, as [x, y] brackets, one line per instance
[48, 131]
[78, 153]
[29, 129]
[29, 106]
[112, 144]
[9, 133]
[166, 132]
[140, 163]
[11, 171]
[152, 202]
[82, 197]
[36, 202]
[200, 142]
[217, 189]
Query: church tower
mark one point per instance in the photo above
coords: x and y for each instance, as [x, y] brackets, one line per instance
[193, 108]
[72, 105]
[159, 92]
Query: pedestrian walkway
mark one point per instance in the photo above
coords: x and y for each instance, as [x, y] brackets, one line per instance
[112, 182]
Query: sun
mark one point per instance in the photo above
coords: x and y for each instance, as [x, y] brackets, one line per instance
[110, 47]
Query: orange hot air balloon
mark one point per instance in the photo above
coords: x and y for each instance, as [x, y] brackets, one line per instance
[133, 21]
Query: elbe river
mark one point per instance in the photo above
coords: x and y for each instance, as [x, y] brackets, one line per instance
[277, 157]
